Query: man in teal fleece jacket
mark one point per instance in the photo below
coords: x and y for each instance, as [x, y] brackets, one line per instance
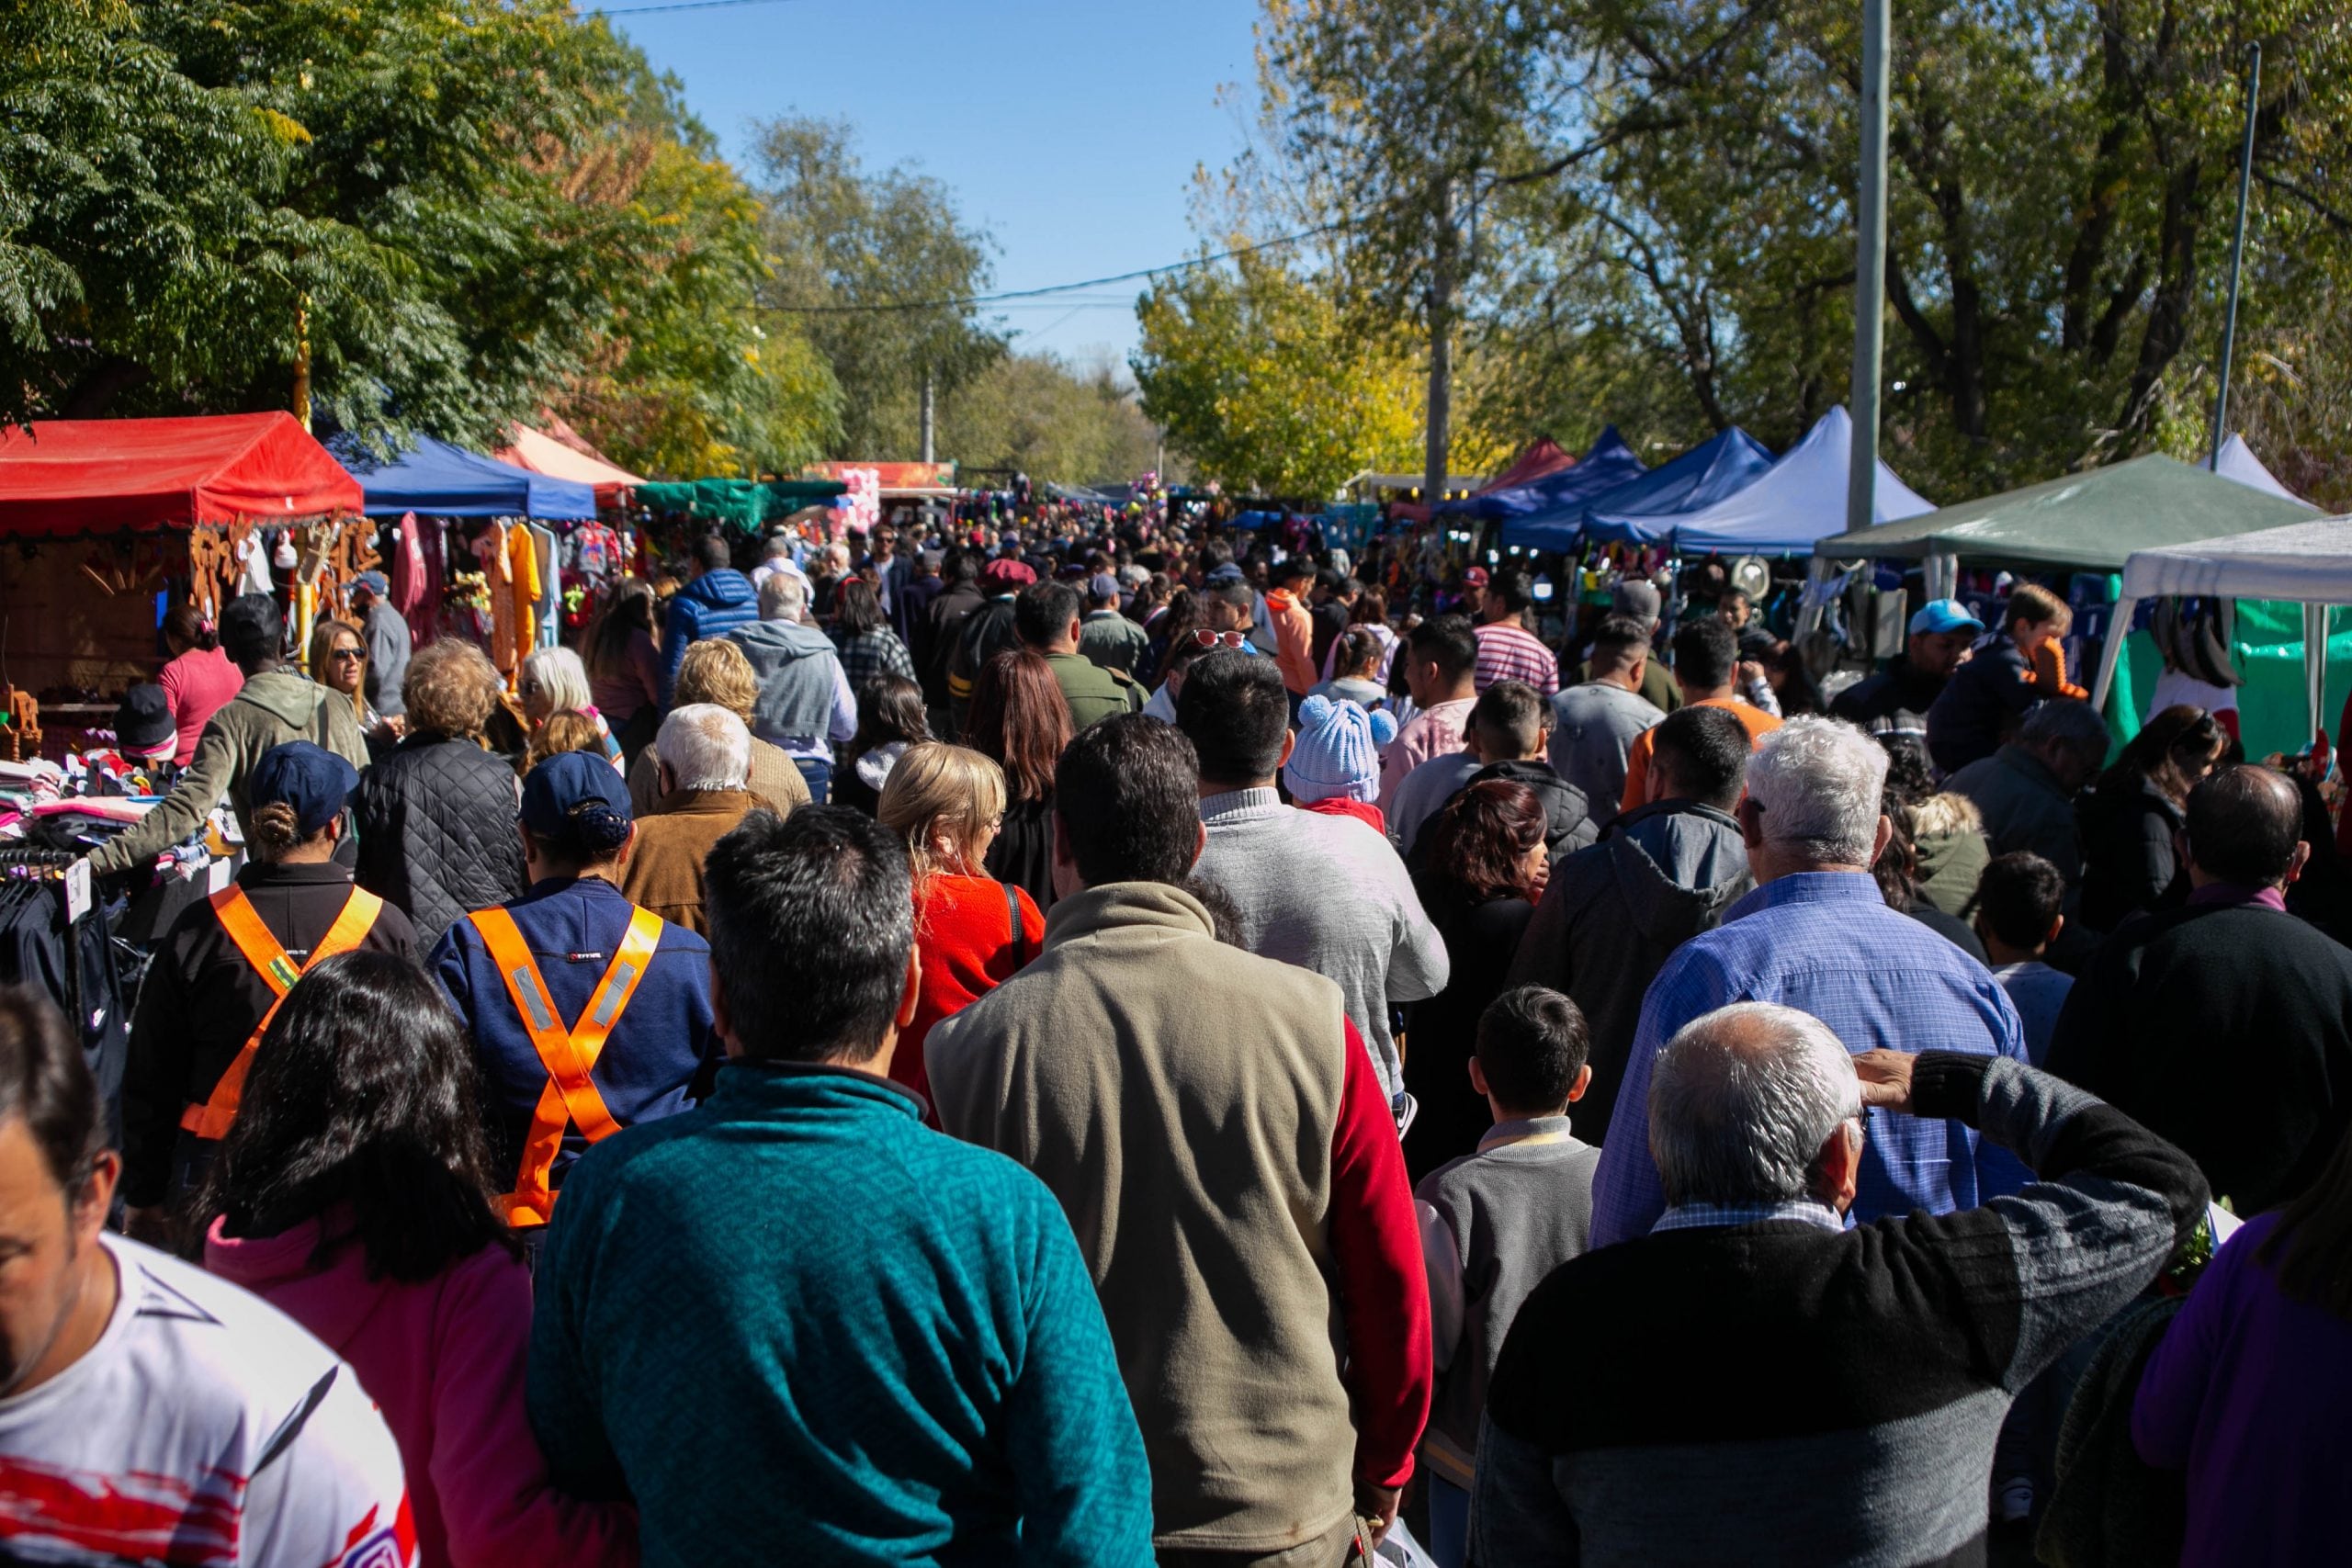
[796, 1325]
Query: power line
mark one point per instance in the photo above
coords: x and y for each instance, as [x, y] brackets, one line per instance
[675, 5]
[971, 299]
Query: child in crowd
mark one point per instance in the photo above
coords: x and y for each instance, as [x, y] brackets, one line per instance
[2017, 906]
[1495, 1222]
[1334, 765]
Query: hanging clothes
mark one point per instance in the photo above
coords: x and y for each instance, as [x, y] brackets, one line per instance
[549, 597]
[406, 578]
[518, 605]
[423, 615]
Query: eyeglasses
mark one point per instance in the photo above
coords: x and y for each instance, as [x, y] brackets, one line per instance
[349, 653]
[1203, 638]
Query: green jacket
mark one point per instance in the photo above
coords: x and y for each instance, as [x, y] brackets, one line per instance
[1091, 691]
[273, 708]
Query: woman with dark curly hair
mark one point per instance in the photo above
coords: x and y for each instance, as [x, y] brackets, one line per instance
[1485, 867]
[354, 1195]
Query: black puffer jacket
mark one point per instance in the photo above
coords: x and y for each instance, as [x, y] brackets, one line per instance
[436, 832]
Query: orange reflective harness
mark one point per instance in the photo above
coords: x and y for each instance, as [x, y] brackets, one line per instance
[570, 1098]
[279, 971]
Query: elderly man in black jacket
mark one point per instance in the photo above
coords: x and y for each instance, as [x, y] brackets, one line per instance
[1850, 1415]
[1661, 874]
[2226, 1025]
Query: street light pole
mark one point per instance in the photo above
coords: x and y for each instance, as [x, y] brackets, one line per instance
[1870, 269]
[2237, 253]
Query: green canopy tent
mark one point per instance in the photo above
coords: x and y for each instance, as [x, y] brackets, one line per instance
[747, 505]
[2094, 522]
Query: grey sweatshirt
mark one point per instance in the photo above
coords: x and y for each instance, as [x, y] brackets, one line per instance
[1327, 893]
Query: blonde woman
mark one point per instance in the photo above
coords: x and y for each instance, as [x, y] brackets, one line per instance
[554, 682]
[971, 931]
[715, 670]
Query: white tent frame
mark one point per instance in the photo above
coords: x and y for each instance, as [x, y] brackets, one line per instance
[2277, 563]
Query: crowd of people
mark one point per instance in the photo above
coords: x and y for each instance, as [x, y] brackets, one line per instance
[1080, 1048]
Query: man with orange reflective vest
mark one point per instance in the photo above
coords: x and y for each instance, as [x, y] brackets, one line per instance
[221, 970]
[588, 1013]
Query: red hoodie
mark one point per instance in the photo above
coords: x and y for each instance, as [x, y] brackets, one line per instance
[442, 1360]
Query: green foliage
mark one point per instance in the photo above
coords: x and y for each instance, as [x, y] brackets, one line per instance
[845, 239]
[1034, 413]
[1256, 374]
[1660, 225]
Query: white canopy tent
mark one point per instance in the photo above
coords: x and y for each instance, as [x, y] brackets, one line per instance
[1798, 500]
[2307, 562]
[2238, 462]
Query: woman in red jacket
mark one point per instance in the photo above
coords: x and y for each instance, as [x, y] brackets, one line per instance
[971, 931]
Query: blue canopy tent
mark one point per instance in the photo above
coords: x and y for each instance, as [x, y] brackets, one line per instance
[1548, 515]
[1797, 500]
[1644, 511]
[441, 480]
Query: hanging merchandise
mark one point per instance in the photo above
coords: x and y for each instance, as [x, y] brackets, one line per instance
[407, 574]
[548, 603]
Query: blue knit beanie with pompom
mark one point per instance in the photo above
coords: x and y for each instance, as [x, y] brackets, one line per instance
[1337, 752]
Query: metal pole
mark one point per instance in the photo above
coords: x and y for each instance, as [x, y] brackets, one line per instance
[929, 419]
[2237, 253]
[1441, 391]
[1870, 270]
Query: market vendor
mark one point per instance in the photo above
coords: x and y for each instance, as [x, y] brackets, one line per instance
[274, 706]
[220, 972]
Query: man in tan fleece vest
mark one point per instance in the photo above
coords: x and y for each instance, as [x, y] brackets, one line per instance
[1217, 1134]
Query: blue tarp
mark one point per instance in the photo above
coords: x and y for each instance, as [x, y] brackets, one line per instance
[441, 480]
[1549, 513]
[1644, 509]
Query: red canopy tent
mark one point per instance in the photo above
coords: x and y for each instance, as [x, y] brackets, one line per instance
[1545, 457]
[104, 475]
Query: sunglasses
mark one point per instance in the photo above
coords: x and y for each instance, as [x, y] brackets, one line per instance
[348, 653]
[1203, 638]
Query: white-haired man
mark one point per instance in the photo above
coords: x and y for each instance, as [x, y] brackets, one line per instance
[1818, 935]
[1776, 1387]
[705, 769]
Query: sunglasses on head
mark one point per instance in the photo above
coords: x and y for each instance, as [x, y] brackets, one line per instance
[1203, 638]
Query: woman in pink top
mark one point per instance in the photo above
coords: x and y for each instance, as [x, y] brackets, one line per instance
[199, 681]
[351, 1195]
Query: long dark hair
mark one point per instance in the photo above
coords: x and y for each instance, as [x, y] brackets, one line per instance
[362, 1096]
[2160, 753]
[1021, 720]
[889, 707]
[629, 608]
[1478, 842]
[2311, 1248]
[856, 611]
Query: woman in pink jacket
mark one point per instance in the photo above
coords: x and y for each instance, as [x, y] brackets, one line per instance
[351, 1194]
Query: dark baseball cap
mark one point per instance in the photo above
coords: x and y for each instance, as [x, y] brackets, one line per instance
[310, 779]
[556, 790]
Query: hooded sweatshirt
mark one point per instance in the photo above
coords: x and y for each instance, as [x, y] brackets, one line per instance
[794, 665]
[1613, 915]
[443, 1358]
[272, 708]
[711, 606]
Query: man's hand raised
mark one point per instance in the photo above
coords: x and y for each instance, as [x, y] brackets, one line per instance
[1886, 1078]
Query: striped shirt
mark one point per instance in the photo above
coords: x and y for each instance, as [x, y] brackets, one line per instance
[1509, 651]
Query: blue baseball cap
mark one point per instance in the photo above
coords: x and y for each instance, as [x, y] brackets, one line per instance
[310, 779]
[556, 791]
[1943, 615]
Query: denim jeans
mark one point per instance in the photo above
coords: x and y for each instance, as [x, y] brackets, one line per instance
[818, 776]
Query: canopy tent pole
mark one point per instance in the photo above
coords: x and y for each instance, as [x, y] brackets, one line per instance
[2315, 667]
[2118, 628]
[1942, 572]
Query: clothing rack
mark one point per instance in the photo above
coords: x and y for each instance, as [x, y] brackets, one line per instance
[49, 865]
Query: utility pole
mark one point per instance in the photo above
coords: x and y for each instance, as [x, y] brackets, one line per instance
[1870, 270]
[929, 419]
[2237, 253]
[1440, 410]
[302, 359]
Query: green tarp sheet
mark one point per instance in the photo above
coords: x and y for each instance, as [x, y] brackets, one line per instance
[2089, 520]
[747, 504]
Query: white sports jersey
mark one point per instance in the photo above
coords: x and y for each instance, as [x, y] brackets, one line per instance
[204, 1428]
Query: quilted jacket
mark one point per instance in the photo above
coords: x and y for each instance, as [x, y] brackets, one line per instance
[711, 606]
[436, 832]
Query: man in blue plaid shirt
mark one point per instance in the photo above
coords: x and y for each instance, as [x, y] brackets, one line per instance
[1817, 935]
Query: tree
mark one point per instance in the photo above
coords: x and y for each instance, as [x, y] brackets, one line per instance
[873, 266]
[1672, 192]
[1034, 413]
[1256, 374]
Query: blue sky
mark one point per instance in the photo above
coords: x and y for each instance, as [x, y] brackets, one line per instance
[1069, 129]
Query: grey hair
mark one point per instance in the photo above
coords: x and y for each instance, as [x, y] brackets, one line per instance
[705, 747]
[2068, 723]
[782, 595]
[1817, 784]
[559, 674]
[1742, 1101]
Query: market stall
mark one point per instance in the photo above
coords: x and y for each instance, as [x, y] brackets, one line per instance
[558, 453]
[1544, 457]
[115, 519]
[433, 478]
[1547, 513]
[1797, 500]
[1646, 510]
